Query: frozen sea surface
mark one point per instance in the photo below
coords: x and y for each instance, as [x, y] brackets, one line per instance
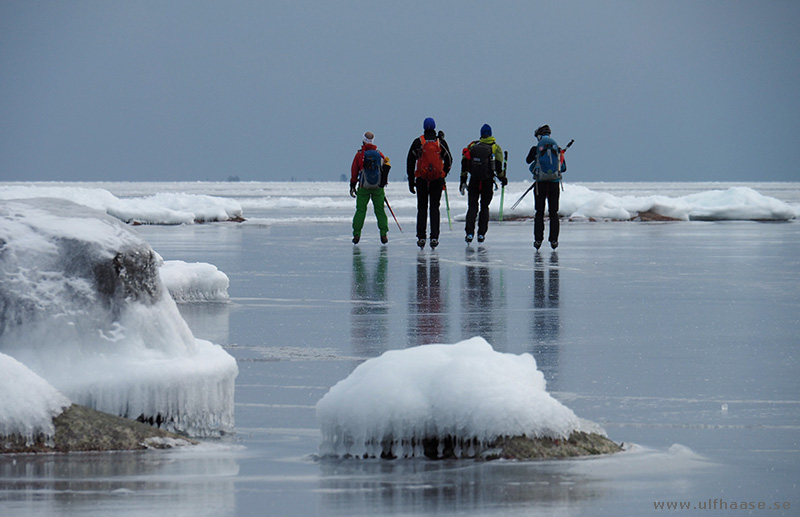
[680, 339]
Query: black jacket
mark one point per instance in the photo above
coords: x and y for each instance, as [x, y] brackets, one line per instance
[531, 155]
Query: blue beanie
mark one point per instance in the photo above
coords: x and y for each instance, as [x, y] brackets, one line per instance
[429, 124]
[486, 130]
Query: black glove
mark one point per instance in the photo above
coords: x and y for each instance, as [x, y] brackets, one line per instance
[411, 187]
[503, 180]
[352, 189]
[462, 187]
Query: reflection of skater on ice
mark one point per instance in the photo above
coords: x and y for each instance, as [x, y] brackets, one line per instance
[370, 311]
[546, 325]
[483, 303]
[426, 304]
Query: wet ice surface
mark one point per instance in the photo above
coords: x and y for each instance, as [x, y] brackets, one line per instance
[679, 338]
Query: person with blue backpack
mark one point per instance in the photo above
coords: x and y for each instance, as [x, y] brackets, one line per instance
[482, 160]
[547, 163]
[369, 173]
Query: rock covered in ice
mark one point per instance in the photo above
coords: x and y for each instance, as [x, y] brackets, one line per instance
[435, 400]
[194, 282]
[82, 306]
[79, 429]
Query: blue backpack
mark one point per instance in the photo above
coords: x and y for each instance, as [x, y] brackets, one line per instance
[371, 173]
[548, 164]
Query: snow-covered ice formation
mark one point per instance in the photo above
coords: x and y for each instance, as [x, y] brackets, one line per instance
[194, 282]
[28, 403]
[734, 203]
[466, 393]
[159, 208]
[82, 306]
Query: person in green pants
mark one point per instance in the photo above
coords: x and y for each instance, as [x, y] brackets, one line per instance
[368, 175]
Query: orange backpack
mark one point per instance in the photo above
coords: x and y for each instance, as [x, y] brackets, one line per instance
[430, 165]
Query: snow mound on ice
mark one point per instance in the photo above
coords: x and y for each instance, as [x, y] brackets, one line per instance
[735, 203]
[82, 306]
[162, 208]
[194, 282]
[28, 403]
[466, 390]
[732, 204]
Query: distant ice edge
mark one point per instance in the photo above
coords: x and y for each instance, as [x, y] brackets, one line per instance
[430, 400]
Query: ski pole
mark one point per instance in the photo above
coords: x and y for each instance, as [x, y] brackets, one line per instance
[503, 188]
[522, 196]
[534, 183]
[392, 211]
[447, 204]
[561, 160]
[502, 196]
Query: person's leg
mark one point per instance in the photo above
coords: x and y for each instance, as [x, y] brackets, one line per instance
[362, 198]
[473, 195]
[378, 197]
[486, 198]
[552, 208]
[422, 209]
[539, 197]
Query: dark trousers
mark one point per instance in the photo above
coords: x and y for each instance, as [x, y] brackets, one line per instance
[429, 194]
[546, 191]
[478, 192]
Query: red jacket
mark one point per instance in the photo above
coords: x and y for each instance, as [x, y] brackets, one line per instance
[358, 161]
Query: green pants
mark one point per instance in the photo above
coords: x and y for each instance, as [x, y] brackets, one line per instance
[363, 195]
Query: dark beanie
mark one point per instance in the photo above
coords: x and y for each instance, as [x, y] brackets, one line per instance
[542, 131]
[429, 124]
[486, 130]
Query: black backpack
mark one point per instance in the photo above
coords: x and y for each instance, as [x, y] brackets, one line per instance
[481, 162]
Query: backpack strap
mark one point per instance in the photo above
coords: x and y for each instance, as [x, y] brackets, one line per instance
[422, 141]
[467, 153]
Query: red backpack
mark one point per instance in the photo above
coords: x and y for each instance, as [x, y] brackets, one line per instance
[430, 165]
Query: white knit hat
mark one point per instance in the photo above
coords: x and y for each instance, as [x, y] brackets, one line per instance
[368, 137]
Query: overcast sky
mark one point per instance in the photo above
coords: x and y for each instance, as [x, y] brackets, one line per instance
[274, 90]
